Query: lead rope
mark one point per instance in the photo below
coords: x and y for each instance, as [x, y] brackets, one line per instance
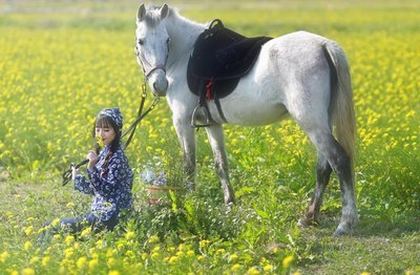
[130, 131]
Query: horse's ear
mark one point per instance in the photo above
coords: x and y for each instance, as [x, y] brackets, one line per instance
[164, 10]
[141, 12]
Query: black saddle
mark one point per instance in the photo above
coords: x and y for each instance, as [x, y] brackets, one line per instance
[220, 58]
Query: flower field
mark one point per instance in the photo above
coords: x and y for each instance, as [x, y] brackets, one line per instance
[60, 64]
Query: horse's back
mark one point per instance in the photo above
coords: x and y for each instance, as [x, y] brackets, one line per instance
[288, 67]
[296, 48]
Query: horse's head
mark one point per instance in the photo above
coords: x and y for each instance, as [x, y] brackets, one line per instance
[152, 46]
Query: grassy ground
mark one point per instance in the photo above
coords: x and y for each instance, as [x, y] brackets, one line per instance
[61, 63]
[379, 246]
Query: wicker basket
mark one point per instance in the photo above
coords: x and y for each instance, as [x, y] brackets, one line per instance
[158, 195]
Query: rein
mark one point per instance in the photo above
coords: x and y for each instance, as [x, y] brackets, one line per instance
[130, 131]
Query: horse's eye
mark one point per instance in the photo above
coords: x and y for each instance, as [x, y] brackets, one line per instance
[140, 41]
[168, 41]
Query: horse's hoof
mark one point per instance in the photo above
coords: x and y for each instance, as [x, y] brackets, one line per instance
[190, 186]
[230, 200]
[342, 230]
[305, 222]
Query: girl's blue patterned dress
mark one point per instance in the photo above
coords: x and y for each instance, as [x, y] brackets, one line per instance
[111, 186]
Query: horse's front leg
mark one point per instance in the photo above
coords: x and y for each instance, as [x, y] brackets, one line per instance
[186, 138]
[215, 135]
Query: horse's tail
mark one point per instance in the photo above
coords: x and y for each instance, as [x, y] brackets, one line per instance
[341, 106]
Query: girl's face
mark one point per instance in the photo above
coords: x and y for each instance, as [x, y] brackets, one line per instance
[106, 134]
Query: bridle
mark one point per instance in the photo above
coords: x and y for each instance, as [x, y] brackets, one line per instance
[146, 64]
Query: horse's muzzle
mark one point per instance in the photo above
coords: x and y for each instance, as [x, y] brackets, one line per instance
[158, 83]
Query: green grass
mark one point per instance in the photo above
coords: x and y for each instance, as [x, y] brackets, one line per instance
[61, 63]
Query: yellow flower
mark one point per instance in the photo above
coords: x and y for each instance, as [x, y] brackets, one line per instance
[235, 267]
[233, 258]
[70, 205]
[190, 253]
[173, 259]
[4, 256]
[130, 254]
[27, 245]
[14, 272]
[100, 141]
[69, 240]
[130, 235]
[268, 268]
[55, 222]
[111, 262]
[114, 272]
[81, 262]
[45, 260]
[253, 271]
[204, 243]
[29, 230]
[100, 244]
[110, 252]
[93, 253]
[365, 273]
[93, 263]
[28, 271]
[68, 252]
[155, 255]
[200, 258]
[287, 261]
[181, 247]
[120, 246]
[86, 232]
[153, 239]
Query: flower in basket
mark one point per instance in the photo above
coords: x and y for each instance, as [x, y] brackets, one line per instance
[148, 176]
[160, 180]
[152, 178]
[156, 188]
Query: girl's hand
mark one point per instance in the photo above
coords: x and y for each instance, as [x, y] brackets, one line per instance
[74, 173]
[93, 158]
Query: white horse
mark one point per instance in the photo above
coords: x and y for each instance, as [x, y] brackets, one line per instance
[300, 75]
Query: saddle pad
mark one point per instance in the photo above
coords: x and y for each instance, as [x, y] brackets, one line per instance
[222, 56]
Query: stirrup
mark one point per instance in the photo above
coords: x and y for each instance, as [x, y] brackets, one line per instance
[201, 117]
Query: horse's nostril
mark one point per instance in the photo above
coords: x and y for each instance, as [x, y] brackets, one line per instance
[166, 85]
[155, 87]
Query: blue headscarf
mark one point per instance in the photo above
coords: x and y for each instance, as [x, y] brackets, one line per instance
[114, 114]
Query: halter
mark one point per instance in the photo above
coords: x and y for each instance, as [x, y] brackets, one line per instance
[145, 63]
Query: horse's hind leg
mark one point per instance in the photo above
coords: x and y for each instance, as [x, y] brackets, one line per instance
[323, 172]
[341, 164]
[215, 135]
